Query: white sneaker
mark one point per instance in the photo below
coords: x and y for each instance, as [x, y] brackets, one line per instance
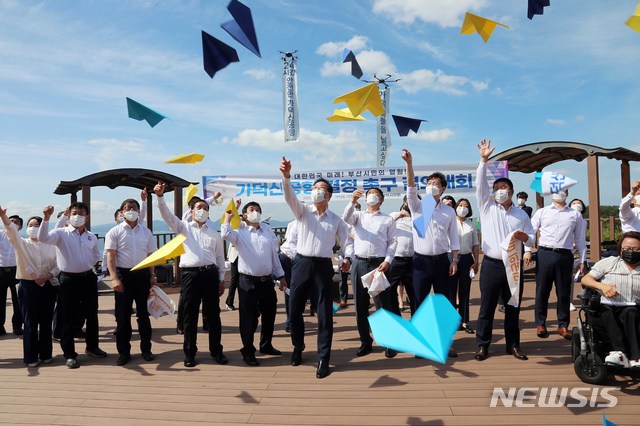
[634, 363]
[617, 358]
[572, 307]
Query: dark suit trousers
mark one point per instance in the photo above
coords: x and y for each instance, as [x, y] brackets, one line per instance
[460, 286]
[136, 287]
[256, 296]
[196, 287]
[8, 281]
[401, 272]
[78, 296]
[37, 309]
[361, 296]
[428, 272]
[553, 267]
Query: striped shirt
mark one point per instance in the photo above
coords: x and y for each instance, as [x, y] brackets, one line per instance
[613, 270]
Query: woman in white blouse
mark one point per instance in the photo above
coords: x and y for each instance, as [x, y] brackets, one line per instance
[467, 261]
[37, 271]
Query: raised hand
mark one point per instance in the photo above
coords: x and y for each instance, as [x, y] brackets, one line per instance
[356, 195]
[406, 156]
[143, 194]
[47, 212]
[485, 149]
[159, 189]
[285, 167]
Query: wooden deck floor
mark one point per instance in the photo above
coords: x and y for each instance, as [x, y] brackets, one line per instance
[371, 390]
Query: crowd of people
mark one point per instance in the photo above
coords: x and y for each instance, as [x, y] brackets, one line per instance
[55, 268]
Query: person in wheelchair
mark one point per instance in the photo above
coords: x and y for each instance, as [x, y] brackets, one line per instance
[618, 280]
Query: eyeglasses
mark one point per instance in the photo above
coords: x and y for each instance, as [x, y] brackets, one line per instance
[634, 249]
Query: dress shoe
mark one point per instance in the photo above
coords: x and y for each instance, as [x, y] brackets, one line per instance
[564, 332]
[190, 362]
[72, 363]
[3, 331]
[343, 304]
[518, 354]
[296, 356]
[96, 353]
[541, 331]
[270, 350]
[365, 349]
[468, 329]
[501, 308]
[231, 307]
[123, 359]
[482, 353]
[18, 331]
[453, 353]
[220, 358]
[323, 369]
[287, 328]
[251, 360]
[179, 330]
[390, 353]
[148, 356]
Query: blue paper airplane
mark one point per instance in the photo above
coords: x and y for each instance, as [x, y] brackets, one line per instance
[349, 56]
[421, 221]
[546, 183]
[429, 334]
[606, 422]
[336, 308]
[536, 7]
[404, 124]
[216, 54]
[242, 28]
[139, 112]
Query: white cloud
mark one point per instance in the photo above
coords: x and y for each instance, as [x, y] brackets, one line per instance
[333, 48]
[109, 153]
[438, 135]
[445, 13]
[260, 74]
[556, 121]
[580, 118]
[438, 81]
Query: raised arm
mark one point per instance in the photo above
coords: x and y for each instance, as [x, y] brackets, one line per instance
[626, 214]
[172, 220]
[226, 232]
[349, 215]
[43, 232]
[482, 184]
[297, 207]
[412, 190]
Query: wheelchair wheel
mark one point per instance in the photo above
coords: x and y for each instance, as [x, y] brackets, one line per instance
[590, 372]
[575, 344]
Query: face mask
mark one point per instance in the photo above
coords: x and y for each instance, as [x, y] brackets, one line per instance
[372, 199]
[253, 216]
[559, 196]
[501, 196]
[317, 195]
[631, 257]
[201, 215]
[636, 200]
[521, 201]
[433, 190]
[462, 211]
[32, 231]
[577, 207]
[76, 220]
[121, 219]
[131, 215]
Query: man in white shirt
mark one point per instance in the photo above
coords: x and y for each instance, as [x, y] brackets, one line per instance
[202, 278]
[8, 281]
[77, 254]
[374, 244]
[560, 228]
[127, 244]
[257, 262]
[318, 230]
[499, 217]
[630, 216]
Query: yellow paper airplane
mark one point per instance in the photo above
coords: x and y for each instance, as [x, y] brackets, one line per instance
[235, 220]
[634, 20]
[187, 158]
[168, 251]
[483, 26]
[190, 192]
[344, 115]
[364, 98]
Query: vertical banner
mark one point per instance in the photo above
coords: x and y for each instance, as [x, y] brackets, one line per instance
[384, 134]
[290, 98]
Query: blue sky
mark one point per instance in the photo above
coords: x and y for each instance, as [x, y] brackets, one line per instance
[66, 68]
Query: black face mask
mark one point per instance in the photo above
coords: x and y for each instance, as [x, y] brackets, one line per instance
[631, 257]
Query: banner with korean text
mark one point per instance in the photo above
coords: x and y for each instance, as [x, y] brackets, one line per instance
[290, 98]
[384, 134]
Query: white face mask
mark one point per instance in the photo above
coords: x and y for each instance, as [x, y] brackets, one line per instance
[521, 201]
[577, 207]
[432, 190]
[201, 215]
[636, 200]
[76, 220]
[462, 211]
[559, 196]
[254, 216]
[501, 196]
[32, 231]
[372, 199]
[317, 195]
[131, 215]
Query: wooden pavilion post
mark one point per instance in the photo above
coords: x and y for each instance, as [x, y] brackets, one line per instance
[625, 178]
[594, 207]
[86, 198]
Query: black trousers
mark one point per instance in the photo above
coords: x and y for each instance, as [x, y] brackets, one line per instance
[8, 281]
[315, 274]
[136, 287]
[196, 287]
[233, 285]
[428, 272]
[37, 310]
[553, 267]
[287, 265]
[78, 293]
[460, 286]
[493, 282]
[623, 328]
[361, 296]
[401, 272]
[180, 316]
[256, 297]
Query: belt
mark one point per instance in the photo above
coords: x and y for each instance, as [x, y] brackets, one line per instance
[199, 268]
[79, 274]
[555, 250]
[128, 270]
[405, 258]
[493, 260]
[8, 268]
[254, 278]
[430, 256]
[371, 259]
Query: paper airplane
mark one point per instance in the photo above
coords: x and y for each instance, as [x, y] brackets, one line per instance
[536, 7]
[483, 26]
[634, 20]
[349, 56]
[421, 221]
[235, 220]
[190, 192]
[404, 124]
[547, 183]
[216, 54]
[606, 422]
[362, 99]
[344, 115]
[173, 248]
[336, 308]
[186, 158]
[139, 112]
[242, 28]
[429, 334]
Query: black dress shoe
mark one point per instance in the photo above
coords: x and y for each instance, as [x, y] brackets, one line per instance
[220, 358]
[190, 362]
[270, 350]
[148, 356]
[518, 354]
[123, 359]
[468, 329]
[453, 353]
[251, 360]
[390, 353]
[365, 349]
[323, 369]
[179, 330]
[482, 353]
[296, 357]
